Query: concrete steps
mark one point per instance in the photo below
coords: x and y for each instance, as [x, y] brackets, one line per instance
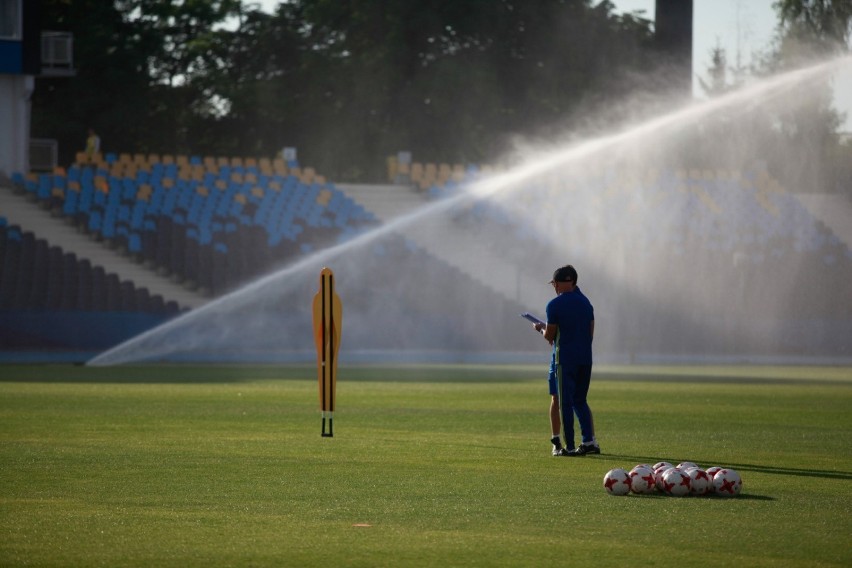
[30, 216]
[385, 201]
[833, 210]
[448, 240]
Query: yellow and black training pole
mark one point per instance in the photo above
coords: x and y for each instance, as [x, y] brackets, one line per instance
[328, 316]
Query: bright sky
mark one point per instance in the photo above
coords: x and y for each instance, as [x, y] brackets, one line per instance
[743, 28]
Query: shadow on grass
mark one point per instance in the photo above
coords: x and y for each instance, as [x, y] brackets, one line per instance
[740, 467]
[431, 373]
[718, 379]
[157, 373]
[153, 374]
[740, 497]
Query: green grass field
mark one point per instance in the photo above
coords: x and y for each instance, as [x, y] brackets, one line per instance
[431, 465]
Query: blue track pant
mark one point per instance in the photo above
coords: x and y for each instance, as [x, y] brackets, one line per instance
[573, 386]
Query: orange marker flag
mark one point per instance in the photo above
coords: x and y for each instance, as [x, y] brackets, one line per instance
[328, 316]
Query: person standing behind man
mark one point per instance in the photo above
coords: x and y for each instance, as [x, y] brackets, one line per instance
[93, 146]
[570, 329]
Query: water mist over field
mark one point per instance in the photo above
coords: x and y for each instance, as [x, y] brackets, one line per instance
[673, 240]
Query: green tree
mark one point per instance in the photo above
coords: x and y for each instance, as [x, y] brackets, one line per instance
[346, 82]
[811, 30]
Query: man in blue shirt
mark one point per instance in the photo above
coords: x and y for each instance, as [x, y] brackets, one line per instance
[569, 329]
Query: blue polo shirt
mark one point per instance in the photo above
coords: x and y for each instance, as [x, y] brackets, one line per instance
[573, 314]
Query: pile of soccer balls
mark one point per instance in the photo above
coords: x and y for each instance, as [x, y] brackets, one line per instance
[680, 480]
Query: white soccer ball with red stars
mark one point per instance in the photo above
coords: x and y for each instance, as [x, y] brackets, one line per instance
[727, 483]
[699, 481]
[642, 479]
[659, 472]
[676, 482]
[617, 482]
[686, 466]
[711, 471]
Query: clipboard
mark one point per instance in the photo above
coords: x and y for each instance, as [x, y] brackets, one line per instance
[528, 316]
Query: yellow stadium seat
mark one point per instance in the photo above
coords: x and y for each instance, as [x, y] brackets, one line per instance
[181, 160]
[144, 192]
[168, 159]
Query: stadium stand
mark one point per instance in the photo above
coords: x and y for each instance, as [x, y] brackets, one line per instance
[211, 223]
[747, 214]
[35, 276]
[436, 179]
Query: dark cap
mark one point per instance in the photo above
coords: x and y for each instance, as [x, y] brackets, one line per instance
[565, 274]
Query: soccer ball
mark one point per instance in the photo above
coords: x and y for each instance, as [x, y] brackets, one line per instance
[658, 465]
[727, 483]
[676, 482]
[686, 465]
[711, 471]
[617, 482]
[642, 479]
[658, 476]
[699, 481]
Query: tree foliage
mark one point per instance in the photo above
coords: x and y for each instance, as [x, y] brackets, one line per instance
[349, 83]
[346, 82]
